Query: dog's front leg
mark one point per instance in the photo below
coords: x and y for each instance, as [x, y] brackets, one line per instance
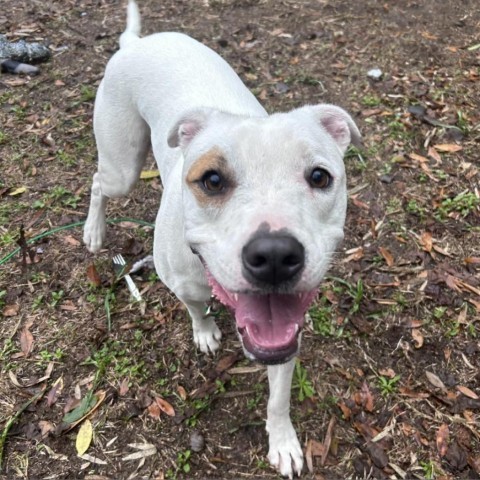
[284, 447]
[206, 334]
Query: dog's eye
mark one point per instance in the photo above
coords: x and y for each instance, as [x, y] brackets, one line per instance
[319, 178]
[213, 182]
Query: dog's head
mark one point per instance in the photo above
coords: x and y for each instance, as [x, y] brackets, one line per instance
[264, 207]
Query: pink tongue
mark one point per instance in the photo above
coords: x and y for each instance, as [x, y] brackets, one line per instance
[272, 320]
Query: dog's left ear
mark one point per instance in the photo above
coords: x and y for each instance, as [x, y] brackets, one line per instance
[338, 124]
[187, 127]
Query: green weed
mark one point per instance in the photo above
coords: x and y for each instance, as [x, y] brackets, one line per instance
[300, 382]
[464, 204]
[388, 385]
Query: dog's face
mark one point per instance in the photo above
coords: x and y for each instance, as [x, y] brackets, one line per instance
[264, 207]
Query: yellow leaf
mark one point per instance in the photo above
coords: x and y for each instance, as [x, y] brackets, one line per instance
[18, 191]
[146, 174]
[84, 437]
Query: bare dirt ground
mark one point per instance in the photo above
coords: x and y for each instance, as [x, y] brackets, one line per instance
[388, 382]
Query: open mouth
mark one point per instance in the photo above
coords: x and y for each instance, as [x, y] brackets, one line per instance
[269, 324]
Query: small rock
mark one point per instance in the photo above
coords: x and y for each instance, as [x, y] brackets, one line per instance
[386, 179]
[197, 441]
[375, 74]
[282, 87]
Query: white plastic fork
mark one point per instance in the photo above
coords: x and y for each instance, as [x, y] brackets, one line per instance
[120, 261]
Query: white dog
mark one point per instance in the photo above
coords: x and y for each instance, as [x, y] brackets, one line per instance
[253, 205]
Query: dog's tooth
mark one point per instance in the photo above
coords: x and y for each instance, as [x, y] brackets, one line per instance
[235, 297]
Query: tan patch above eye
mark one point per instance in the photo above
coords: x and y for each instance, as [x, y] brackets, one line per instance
[213, 160]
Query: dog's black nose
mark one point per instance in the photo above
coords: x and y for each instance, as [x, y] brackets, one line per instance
[272, 258]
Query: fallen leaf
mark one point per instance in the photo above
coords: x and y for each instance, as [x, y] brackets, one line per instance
[147, 174]
[426, 241]
[377, 454]
[442, 439]
[87, 406]
[17, 191]
[92, 459]
[472, 260]
[328, 440]
[55, 391]
[145, 450]
[182, 392]
[435, 381]
[11, 310]
[432, 153]
[418, 337]
[70, 240]
[165, 406]
[124, 387]
[154, 410]
[45, 427]
[367, 397]
[418, 158]
[448, 147]
[347, 412]
[467, 392]
[388, 257]
[26, 341]
[84, 437]
[387, 372]
[93, 275]
[314, 449]
[14, 379]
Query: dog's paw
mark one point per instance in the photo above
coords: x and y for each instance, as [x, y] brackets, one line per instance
[285, 452]
[94, 235]
[207, 337]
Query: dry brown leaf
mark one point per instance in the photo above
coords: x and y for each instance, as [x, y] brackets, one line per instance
[448, 147]
[418, 158]
[347, 412]
[415, 323]
[408, 392]
[418, 337]
[93, 275]
[388, 257]
[26, 341]
[432, 153]
[442, 439]
[467, 392]
[314, 449]
[387, 372]
[165, 406]
[472, 260]
[182, 392]
[368, 397]
[70, 240]
[154, 410]
[45, 427]
[55, 391]
[11, 310]
[328, 440]
[14, 379]
[124, 387]
[426, 241]
[435, 381]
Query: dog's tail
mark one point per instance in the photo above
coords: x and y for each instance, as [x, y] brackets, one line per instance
[134, 25]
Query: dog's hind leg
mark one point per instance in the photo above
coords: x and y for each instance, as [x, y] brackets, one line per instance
[122, 138]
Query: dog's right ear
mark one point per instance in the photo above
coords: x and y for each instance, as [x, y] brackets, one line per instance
[187, 127]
